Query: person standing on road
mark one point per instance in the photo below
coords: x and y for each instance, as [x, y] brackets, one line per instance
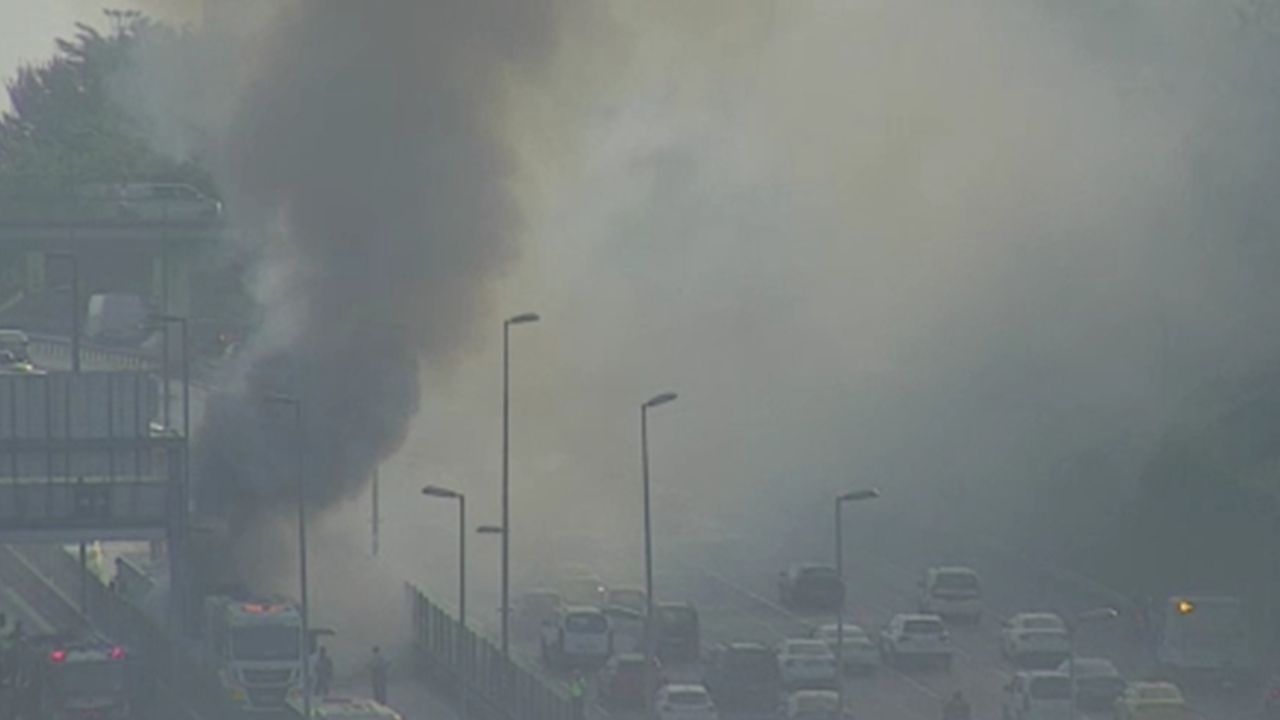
[578, 695]
[324, 673]
[378, 667]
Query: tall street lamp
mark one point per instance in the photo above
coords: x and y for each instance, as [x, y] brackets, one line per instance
[521, 319]
[75, 368]
[447, 494]
[296, 404]
[852, 496]
[653, 402]
[1088, 616]
[184, 490]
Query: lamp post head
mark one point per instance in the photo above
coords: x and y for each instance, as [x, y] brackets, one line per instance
[440, 492]
[856, 495]
[523, 318]
[660, 399]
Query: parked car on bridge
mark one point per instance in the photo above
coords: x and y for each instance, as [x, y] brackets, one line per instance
[151, 201]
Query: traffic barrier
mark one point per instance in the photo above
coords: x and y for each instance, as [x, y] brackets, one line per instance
[496, 688]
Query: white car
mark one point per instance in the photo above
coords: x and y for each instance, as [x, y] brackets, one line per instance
[860, 651]
[684, 702]
[814, 705]
[1098, 682]
[952, 592]
[1037, 695]
[806, 663]
[1039, 636]
[915, 637]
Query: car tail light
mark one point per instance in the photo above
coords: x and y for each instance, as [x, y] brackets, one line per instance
[58, 656]
[117, 653]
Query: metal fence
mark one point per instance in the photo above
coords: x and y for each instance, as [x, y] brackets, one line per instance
[457, 658]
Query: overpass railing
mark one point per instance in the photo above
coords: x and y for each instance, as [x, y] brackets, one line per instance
[457, 658]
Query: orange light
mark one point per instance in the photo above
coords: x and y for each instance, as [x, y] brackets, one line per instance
[58, 656]
[1186, 607]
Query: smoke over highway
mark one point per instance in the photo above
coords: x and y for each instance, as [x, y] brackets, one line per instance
[366, 151]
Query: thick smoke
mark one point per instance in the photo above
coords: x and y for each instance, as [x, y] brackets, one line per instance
[366, 149]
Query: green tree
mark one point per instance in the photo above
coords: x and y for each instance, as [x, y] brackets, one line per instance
[65, 129]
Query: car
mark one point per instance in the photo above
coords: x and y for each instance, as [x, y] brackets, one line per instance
[951, 592]
[626, 629]
[1152, 701]
[685, 701]
[117, 318]
[677, 632]
[623, 685]
[811, 586]
[1098, 682]
[743, 676]
[806, 663]
[585, 589]
[859, 650]
[1037, 695]
[15, 354]
[633, 598]
[814, 705]
[576, 637]
[919, 637]
[1035, 637]
[165, 202]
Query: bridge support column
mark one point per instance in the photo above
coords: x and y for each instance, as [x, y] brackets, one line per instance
[171, 279]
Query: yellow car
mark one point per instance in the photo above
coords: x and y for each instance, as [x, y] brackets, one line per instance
[1152, 701]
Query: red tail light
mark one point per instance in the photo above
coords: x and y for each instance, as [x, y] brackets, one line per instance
[117, 653]
[58, 656]
[1274, 694]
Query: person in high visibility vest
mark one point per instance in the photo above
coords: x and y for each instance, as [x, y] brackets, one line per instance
[578, 696]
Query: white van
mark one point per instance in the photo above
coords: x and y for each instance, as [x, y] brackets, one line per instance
[1037, 695]
[117, 319]
[577, 637]
[952, 592]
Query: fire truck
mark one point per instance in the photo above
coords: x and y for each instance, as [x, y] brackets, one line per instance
[257, 650]
[61, 677]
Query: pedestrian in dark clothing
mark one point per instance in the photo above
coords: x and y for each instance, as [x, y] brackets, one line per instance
[324, 673]
[378, 667]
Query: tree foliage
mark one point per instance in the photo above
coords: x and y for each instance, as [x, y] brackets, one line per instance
[64, 128]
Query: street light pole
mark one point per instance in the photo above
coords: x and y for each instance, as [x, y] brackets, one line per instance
[441, 492]
[184, 491]
[296, 404]
[655, 401]
[506, 485]
[75, 368]
[1094, 615]
[853, 496]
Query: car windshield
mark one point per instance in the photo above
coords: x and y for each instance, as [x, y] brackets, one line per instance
[922, 627]
[815, 702]
[956, 581]
[585, 622]
[687, 697]
[102, 677]
[1051, 688]
[266, 643]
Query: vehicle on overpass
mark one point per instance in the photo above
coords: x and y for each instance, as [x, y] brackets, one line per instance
[951, 592]
[1204, 634]
[257, 649]
[811, 586]
[1038, 638]
[68, 676]
[15, 354]
[150, 202]
[1152, 701]
[117, 318]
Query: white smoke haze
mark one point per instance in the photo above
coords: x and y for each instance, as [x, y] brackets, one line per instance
[960, 251]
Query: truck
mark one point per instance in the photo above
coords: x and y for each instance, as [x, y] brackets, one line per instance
[67, 676]
[1204, 635]
[257, 650]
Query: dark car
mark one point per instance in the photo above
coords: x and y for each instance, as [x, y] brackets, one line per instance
[677, 633]
[622, 681]
[743, 676]
[811, 587]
